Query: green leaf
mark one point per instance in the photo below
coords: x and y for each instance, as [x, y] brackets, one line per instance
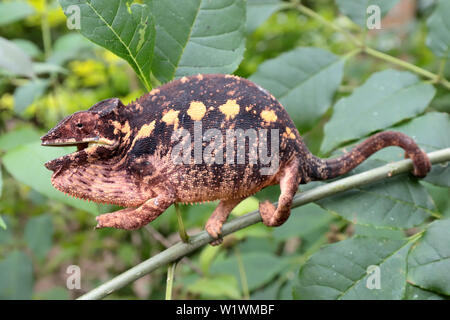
[247, 205]
[304, 80]
[429, 260]
[14, 11]
[6, 236]
[256, 276]
[14, 60]
[357, 9]
[379, 232]
[259, 11]
[267, 293]
[1, 182]
[340, 270]
[17, 137]
[219, 286]
[26, 94]
[441, 197]
[68, 47]
[16, 281]
[43, 68]
[2, 224]
[55, 293]
[303, 221]
[28, 47]
[197, 36]
[398, 202]
[431, 132]
[38, 235]
[207, 257]
[26, 164]
[438, 39]
[385, 99]
[415, 293]
[128, 31]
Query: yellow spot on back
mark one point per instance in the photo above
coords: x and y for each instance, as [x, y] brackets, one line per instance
[196, 110]
[269, 116]
[146, 130]
[184, 79]
[200, 76]
[230, 109]
[289, 133]
[171, 118]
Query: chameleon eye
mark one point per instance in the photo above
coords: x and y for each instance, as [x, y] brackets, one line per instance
[79, 125]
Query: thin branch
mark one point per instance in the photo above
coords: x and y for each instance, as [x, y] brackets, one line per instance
[170, 277]
[166, 243]
[436, 78]
[181, 249]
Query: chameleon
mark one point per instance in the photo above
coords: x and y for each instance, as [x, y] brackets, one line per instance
[195, 139]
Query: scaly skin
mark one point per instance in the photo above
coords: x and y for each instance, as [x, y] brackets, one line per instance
[125, 153]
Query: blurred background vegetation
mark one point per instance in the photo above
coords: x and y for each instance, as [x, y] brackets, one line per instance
[40, 235]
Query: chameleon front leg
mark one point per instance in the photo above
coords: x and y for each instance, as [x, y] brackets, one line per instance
[218, 218]
[289, 181]
[135, 218]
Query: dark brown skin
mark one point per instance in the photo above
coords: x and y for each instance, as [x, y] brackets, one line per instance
[124, 153]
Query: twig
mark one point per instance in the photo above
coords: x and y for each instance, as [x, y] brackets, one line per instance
[242, 274]
[181, 229]
[170, 276]
[166, 243]
[181, 249]
[436, 78]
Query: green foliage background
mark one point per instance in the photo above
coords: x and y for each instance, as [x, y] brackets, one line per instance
[317, 59]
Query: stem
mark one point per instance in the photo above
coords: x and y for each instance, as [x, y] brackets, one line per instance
[441, 69]
[170, 276]
[352, 53]
[45, 29]
[436, 78]
[181, 229]
[181, 249]
[399, 62]
[242, 275]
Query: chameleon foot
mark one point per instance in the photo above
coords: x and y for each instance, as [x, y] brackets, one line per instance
[267, 210]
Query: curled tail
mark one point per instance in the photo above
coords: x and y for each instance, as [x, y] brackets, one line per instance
[323, 169]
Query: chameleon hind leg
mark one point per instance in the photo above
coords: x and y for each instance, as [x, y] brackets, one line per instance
[289, 180]
[135, 218]
[218, 218]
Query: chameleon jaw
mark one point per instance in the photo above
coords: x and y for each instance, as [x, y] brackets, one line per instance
[86, 146]
[74, 142]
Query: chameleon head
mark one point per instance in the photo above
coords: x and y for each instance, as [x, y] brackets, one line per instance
[92, 132]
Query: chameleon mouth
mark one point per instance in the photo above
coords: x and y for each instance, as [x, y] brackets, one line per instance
[83, 147]
[72, 142]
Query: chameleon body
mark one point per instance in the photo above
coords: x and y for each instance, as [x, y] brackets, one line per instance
[127, 155]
